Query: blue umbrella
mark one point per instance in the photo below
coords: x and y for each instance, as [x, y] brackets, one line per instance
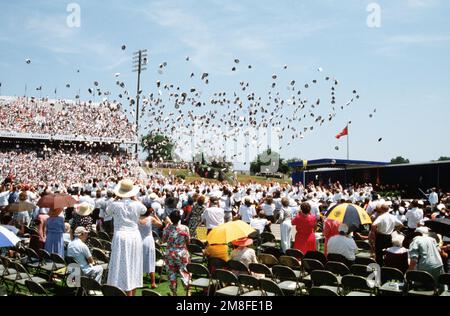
[7, 238]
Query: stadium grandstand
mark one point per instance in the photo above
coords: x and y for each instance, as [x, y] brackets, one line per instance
[64, 142]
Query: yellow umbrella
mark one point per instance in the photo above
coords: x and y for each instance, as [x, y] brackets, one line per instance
[228, 232]
[350, 214]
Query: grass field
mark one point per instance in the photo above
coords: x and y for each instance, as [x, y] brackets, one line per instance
[190, 177]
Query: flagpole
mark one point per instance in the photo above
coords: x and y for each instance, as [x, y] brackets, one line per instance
[348, 156]
[348, 141]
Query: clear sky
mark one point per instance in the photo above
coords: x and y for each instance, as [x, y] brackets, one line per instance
[401, 68]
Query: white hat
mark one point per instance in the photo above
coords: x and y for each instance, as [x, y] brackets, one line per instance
[422, 230]
[441, 207]
[126, 188]
[80, 231]
[343, 228]
[420, 202]
[153, 196]
[84, 209]
[397, 239]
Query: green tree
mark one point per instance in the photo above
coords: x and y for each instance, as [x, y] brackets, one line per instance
[157, 146]
[399, 160]
[443, 158]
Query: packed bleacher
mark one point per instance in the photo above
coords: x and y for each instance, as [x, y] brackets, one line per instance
[60, 117]
[65, 167]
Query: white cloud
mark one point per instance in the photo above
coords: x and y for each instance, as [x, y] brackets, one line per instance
[417, 39]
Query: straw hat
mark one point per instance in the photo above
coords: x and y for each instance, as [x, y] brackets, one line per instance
[84, 209]
[153, 196]
[126, 189]
[242, 242]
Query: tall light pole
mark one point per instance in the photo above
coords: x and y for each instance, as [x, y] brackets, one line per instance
[139, 63]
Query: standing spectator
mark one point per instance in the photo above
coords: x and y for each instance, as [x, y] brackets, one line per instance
[383, 227]
[38, 242]
[4, 196]
[247, 211]
[82, 217]
[268, 207]
[305, 223]
[107, 221]
[22, 219]
[177, 256]
[226, 205]
[126, 263]
[433, 198]
[213, 215]
[424, 254]
[196, 216]
[54, 230]
[147, 221]
[413, 217]
[285, 219]
[78, 250]
[187, 209]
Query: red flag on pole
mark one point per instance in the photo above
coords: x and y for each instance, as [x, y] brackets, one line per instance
[343, 133]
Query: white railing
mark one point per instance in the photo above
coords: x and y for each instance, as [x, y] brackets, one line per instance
[73, 138]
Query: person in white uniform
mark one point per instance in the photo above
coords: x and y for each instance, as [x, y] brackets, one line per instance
[126, 263]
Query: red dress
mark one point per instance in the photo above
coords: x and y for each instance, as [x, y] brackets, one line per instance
[305, 239]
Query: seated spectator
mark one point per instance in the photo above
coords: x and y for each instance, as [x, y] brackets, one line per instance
[243, 253]
[79, 251]
[219, 251]
[343, 244]
[397, 256]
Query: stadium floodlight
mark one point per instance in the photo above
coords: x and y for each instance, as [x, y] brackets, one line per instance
[140, 60]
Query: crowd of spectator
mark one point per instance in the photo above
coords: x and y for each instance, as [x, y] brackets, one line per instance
[41, 116]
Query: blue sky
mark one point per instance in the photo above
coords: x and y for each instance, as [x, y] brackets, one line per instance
[401, 68]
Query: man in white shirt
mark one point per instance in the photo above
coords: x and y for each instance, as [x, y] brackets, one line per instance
[213, 215]
[433, 198]
[78, 250]
[247, 211]
[343, 244]
[314, 208]
[414, 216]
[260, 222]
[384, 226]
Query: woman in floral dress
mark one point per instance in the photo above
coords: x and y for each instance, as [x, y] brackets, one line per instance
[177, 256]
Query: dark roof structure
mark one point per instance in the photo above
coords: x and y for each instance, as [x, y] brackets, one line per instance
[334, 163]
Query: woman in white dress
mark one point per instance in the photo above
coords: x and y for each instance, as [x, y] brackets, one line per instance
[148, 243]
[125, 266]
[286, 226]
